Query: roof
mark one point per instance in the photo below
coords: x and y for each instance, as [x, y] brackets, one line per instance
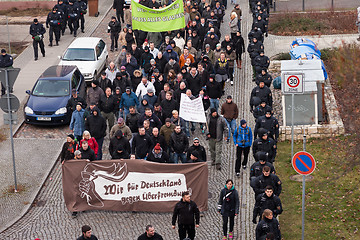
[57, 71]
[85, 42]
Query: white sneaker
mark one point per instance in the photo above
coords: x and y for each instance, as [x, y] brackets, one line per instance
[228, 80]
[232, 83]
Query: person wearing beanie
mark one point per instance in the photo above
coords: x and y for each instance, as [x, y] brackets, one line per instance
[217, 131]
[68, 149]
[242, 139]
[94, 93]
[86, 233]
[157, 154]
[37, 32]
[54, 20]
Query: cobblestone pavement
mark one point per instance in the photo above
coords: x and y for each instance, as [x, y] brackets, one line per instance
[49, 216]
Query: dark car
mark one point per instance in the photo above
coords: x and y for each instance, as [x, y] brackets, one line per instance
[48, 98]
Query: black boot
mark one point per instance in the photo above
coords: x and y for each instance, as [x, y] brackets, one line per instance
[50, 44]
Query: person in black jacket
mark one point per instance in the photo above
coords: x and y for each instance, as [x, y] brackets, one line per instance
[228, 206]
[120, 153]
[37, 32]
[54, 20]
[150, 234]
[157, 138]
[83, 10]
[187, 214]
[179, 144]
[104, 82]
[87, 152]
[107, 106]
[96, 125]
[68, 149]
[261, 109]
[118, 6]
[239, 47]
[157, 154]
[168, 105]
[267, 200]
[214, 92]
[268, 122]
[72, 102]
[196, 147]
[141, 144]
[267, 179]
[265, 144]
[262, 92]
[257, 168]
[119, 140]
[114, 29]
[132, 119]
[268, 224]
[73, 11]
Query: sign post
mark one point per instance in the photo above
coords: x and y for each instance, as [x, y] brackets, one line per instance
[304, 164]
[293, 83]
[10, 104]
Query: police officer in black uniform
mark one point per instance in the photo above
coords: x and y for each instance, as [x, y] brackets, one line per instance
[267, 200]
[62, 11]
[37, 32]
[265, 144]
[5, 61]
[114, 29]
[83, 10]
[54, 20]
[268, 122]
[73, 17]
[262, 92]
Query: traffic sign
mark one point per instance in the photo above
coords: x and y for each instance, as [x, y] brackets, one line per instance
[12, 75]
[14, 103]
[303, 163]
[293, 83]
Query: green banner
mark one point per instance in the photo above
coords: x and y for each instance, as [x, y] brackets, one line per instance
[158, 20]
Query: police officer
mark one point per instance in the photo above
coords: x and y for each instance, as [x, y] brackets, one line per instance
[73, 17]
[37, 32]
[268, 122]
[261, 110]
[267, 179]
[114, 28]
[261, 62]
[265, 76]
[5, 61]
[257, 168]
[54, 20]
[262, 92]
[267, 200]
[265, 144]
[62, 11]
[83, 10]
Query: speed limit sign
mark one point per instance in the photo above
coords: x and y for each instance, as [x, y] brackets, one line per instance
[293, 83]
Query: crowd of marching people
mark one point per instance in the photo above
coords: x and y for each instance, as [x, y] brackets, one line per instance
[136, 102]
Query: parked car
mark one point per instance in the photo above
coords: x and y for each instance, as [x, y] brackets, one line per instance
[89, 54]
[48, 98]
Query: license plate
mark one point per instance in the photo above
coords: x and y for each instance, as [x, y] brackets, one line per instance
[44, 118]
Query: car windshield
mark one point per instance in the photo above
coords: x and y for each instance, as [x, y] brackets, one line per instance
[79, 54]
[51, 88]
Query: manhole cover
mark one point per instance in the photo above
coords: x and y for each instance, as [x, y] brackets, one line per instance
[298, 178]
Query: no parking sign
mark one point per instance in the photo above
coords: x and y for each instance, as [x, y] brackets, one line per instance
[293, 83]
[303, 163]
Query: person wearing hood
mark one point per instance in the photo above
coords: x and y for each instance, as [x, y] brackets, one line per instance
[77, 124]
[268, 224]
[228, 207]
[176, 48]
[119, 140]
[242, 139]
[121, 81]
[169, 52]
[145, 59]
[230, 57]
[268, 122]
[143, 105]
[217, 129]
[120, 153]
[187, 214]
[158, 155]
[96, 125]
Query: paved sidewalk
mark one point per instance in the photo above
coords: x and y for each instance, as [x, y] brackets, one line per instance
[34, 157]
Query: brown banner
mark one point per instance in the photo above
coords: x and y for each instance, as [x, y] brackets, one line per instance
[132, 185]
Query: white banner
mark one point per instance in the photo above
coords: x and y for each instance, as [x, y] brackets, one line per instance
[192, 110]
